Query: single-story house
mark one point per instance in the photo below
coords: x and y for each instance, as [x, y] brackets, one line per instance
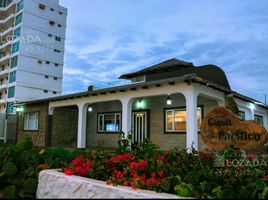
[165, 103]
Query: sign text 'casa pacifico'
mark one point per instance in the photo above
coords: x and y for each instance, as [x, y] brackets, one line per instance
[222, 128]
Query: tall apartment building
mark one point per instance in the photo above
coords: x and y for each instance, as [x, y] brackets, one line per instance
[32, 37]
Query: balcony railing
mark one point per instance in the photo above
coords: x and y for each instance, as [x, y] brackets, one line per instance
[5, 43]
[5, 4]
[3, 99]
[3, 57]
[2, 21]
[4, 85]
[3, 32]
[3, 72]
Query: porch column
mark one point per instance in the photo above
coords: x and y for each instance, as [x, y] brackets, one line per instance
[191, 124]
[126, 115]
[81, 132]
[252, 111]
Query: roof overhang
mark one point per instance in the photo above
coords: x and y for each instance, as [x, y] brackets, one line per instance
[189, 78]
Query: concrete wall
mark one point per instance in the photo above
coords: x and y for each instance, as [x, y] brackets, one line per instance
[39, 136]
[56, 185]
[64, 126]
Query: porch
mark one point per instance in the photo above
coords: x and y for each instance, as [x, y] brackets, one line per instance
[142, 112]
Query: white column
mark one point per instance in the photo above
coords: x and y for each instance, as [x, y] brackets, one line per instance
[252, 113]
[126, 115]
[191, 124]
[81, 132]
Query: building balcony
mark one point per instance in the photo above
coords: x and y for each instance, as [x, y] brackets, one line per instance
[4, 57]
[7, 6]
[4, 32]
[5, 44]
[3, 21]
[4, 85]
[4, 72]
[3, 100]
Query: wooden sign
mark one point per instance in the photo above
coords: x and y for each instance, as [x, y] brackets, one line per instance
[221, 128]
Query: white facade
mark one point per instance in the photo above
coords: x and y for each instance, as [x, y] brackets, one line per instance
[32, 38]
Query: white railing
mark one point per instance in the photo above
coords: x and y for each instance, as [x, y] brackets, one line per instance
[4, 57]
[3, 100]
[8, 18]
[5, 71]
[2, 33]
[7, 6]
[4, 85]
[5, 43]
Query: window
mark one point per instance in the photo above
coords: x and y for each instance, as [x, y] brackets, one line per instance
[52, 9]
[59, 25]
[56, 64]
[9, 107]
[56, 50]
[14, 62]
[109, 122]
[47, 62]
[55, 78]
[54, 92]
[49, 35]
[42, 6]
[12, 77]
[15, 47]
[40, 61]
[60, 13]
[20, 5]
[31, 121]
[11, 92]
[16, 33]
[51, 22]
[46, 76]
[242, 115]
[175, 119]
[57, 38]
[45, 91]
[18, 19]
[259, 119]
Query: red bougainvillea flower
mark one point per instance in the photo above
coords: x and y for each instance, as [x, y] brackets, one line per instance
[77, 161]
[68, 172]
[251, 156]
[140, 165]
[266, 177]
[122, 158]
[108, 182]
[126, 183]
[161, 174]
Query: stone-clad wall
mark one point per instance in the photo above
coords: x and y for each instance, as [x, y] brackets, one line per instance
[155, 106]
[93, 137]
[39, 136]
[64, 126]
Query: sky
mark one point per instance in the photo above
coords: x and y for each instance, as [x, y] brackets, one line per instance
[107, 38]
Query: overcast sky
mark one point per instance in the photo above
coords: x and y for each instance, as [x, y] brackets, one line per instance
[107, 38]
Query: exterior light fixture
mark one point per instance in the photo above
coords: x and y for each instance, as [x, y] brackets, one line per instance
[169, 101]
[140, 103]
[19, 109]
[89, 108]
